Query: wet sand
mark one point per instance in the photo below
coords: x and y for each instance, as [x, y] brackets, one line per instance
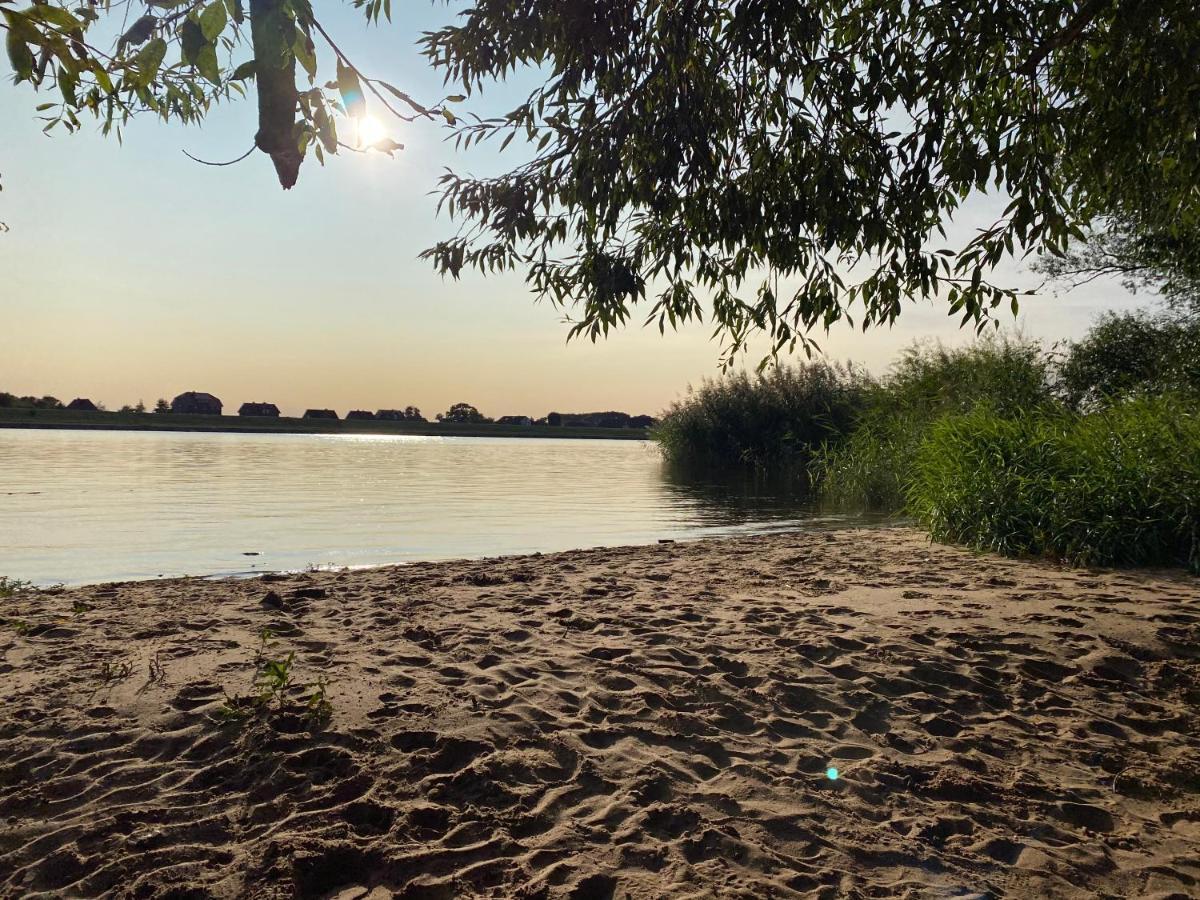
[632, 722]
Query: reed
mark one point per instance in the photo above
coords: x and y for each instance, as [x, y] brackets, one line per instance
[774, 420]
[871, 468]
[1120, 486]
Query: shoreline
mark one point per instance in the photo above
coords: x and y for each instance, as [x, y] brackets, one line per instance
[647, 721]
[176, 422]
[814, 525]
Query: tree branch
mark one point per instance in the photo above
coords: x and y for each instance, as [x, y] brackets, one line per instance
[369, 81]
[205, 162]
[1069, 34]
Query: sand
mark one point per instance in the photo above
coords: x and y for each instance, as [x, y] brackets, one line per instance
[632, 722]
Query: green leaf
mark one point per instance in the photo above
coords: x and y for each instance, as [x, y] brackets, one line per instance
[147, 62]
[213, 20]
[67, 82]
[191, 41]
[351, 90]
[138, 33]
[305, 53]
[102, 77]
[456, 98]
[243, 72]
[399, 94]
[19, 56]
[56, 16]
[206, 63]
[326, 129]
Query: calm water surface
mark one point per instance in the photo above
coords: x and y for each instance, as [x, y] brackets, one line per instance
[87, 506]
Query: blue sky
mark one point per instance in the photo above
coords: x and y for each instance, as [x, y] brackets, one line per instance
[132, 272]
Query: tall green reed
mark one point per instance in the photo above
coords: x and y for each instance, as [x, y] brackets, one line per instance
[1120, 486]
[771, 420]
[873, 466]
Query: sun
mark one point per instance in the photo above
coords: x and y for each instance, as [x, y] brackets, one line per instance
[370, 131]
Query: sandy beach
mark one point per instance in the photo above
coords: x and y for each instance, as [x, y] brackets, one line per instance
[632, 722]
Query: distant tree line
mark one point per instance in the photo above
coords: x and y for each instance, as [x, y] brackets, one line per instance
[12, 401]
[459, 413]
[609, 419]
[465, 412]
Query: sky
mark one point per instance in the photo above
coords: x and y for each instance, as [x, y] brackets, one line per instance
[130, 272]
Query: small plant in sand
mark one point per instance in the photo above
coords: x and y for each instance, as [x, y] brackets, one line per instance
[272, 680]
[235, 709]
[264, 641]
[20, 626]
[11, 586]
[115, 671]
[318, 710]
[274, 677]
[157, 673]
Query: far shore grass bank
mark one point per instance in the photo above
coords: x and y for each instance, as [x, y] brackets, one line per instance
[118, 421]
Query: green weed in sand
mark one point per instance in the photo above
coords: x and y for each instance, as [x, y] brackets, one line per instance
[272, 682]
[318, 710]
[10, 587]
[274, 678]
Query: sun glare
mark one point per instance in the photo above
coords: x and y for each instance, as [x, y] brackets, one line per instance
[370, 131]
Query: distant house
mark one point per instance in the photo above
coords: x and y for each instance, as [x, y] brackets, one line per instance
[390, 415]
[360, 414]
[320, 414]
[196, 402]
[258, 409]
[83, 404]
[514, 420]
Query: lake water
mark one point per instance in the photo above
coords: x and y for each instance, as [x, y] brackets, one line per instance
[88, 506]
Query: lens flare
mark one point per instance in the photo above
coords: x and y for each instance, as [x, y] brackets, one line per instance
[831, 773]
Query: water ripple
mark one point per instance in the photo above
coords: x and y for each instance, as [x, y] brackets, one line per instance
[85, 506]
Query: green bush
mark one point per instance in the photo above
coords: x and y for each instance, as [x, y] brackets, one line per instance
[872, 467]
[1010, 375]
[1116, 487]
[772, 420]
[1130, 355]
